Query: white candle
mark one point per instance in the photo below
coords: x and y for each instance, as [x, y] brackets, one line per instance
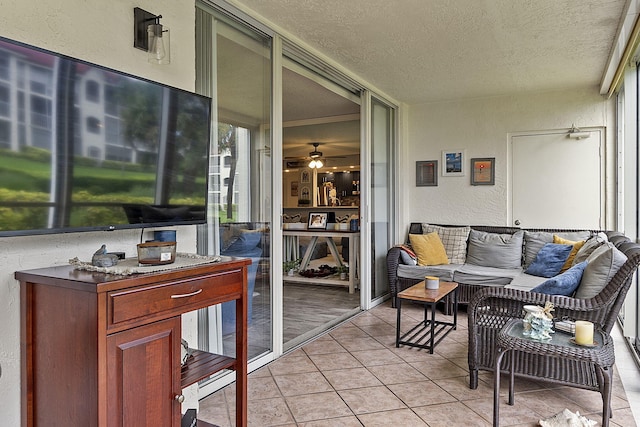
[431, 282]
[584, 332]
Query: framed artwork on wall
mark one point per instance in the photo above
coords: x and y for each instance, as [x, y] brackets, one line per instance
[317, 220]
[427, 173]
[453, 162]
[483, 171]
[294, 188]
[305, 177]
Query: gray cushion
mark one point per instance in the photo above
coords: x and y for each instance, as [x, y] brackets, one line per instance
[454, 240]
[593, 243]
[525, 282]
[481, 275]
[603, 263]
[495, 250]
[444, 272]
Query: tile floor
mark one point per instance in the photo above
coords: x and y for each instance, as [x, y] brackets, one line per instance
[354, 376]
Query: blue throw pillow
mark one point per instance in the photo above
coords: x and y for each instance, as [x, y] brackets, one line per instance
[549, 260]
[245, 242]
[563, 284]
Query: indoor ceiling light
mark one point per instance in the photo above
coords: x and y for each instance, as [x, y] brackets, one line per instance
[316, 164]
[315, 155]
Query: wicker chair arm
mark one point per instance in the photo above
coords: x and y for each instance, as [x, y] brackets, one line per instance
[393, 260]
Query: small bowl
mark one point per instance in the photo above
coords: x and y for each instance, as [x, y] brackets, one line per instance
[156, 253]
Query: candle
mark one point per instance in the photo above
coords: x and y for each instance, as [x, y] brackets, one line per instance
[584, 332]
[431, 282]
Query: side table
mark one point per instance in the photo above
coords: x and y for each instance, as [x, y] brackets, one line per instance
[423, 335]
[599, 359]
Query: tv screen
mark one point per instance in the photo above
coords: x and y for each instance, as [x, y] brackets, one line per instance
[83, 147]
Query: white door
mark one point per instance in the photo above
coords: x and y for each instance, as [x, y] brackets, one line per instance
[557, 181]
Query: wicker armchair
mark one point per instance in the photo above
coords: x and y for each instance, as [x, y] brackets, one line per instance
[491, 308]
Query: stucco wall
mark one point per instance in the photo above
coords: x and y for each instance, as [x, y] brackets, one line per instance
[100, 32]
[482, 128]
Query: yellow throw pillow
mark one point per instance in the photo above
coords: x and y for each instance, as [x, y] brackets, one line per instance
[576, 247]
[429, 249]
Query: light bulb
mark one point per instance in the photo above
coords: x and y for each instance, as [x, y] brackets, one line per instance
[319, 164]
[158, 42]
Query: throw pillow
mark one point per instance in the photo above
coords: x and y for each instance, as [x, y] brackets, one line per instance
[429, 249]
[243, 243]
[454, 240]
[407, 258]
[604, 262]
[563, 284]
[495, 250]
[535, 240]
[590, 245]
[576, 247]
[549, 260]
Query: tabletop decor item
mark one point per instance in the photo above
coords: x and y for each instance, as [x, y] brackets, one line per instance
[538, 321]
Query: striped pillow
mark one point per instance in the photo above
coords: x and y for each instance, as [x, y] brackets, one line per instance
[454, 240]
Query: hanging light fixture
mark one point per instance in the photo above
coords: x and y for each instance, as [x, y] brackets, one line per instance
[315, 155]
[151, 36]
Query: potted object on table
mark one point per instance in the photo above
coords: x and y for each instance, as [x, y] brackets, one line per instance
[290, 267]
[343, 270]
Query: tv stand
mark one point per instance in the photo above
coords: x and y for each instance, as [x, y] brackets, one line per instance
[104, 350]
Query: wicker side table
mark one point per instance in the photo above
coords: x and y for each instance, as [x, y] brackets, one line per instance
[595, 371]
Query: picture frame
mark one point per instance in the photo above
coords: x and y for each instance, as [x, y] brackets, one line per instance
[483, 171]
[453, 162]
[317, 221]
[305, 177]
[427, 173]
[294, 188]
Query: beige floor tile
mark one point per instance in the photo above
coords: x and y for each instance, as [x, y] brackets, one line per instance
[325, 346]
[439, 368]
[450, 414]
[509, 415]
[421, 393]
[371, 399]
[450, 349]
[399, 417]
[343, 379]
[326, 362]
[334, 422]
[348, 330]
[396, 373]
[547, 402]
[268, 412]
[379, 330]
[376, 357]
[318, 406]
[303, 383]
[262, 388]
[458, 387]
[292, 365]
[360, 344]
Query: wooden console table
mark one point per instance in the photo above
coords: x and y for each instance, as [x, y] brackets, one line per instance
[328, 235]
[104, 350]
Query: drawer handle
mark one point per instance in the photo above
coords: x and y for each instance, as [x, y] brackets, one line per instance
[186, 295]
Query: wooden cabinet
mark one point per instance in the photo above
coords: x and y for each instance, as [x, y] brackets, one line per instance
[104, 350]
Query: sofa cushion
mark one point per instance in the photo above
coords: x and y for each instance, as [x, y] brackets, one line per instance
[495, 250]
[454, 240]
[603, 263]
[525, 282]
[444, 272]
[407, 258]
[563, 284]
[572, 255]
[535, 240]
[590, 245]
[549, 260]
[480, 275]
[429, 249]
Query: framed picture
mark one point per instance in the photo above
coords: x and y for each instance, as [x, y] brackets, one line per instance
[453, 162]
[317, 220]
[305, 177]
[427, 173]
[483, 171]
[294, 188]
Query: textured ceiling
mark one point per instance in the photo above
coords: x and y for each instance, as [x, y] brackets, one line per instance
[421, 51]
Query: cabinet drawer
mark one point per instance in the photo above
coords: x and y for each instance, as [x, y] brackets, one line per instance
[172, 298]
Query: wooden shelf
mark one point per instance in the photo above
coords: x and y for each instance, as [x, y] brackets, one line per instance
[202, 364]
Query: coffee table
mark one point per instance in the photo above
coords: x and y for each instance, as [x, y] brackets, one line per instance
[424, 334]
[598, 358]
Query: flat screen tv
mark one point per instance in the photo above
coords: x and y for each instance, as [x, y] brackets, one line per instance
[83, 147]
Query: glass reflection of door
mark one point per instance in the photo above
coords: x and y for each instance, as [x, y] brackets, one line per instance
[234, 68]
[317, 110]
[381, 194]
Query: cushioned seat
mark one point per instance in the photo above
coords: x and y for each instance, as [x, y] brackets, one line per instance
[481, 275]
[444, 272]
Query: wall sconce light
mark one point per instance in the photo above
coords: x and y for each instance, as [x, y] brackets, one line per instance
[576, 133]
[151, 36]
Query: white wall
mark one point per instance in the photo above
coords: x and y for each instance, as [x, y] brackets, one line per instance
[482, 128]
[101, 32]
